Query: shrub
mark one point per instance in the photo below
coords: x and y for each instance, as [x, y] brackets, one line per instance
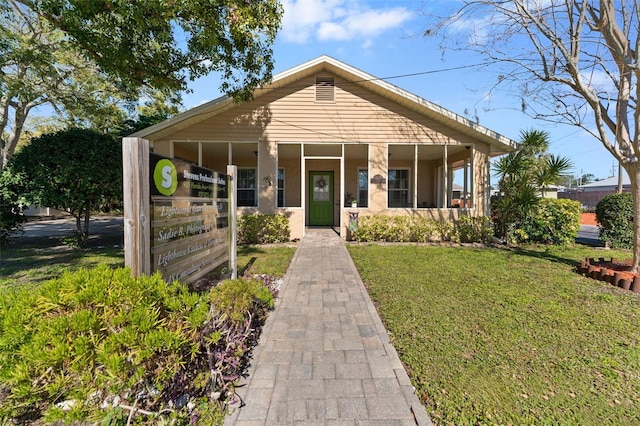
[470, 229]
[551, 221]
[101, 341]
[78, 170]
[263, 229]
[11, 217]
[615, 215]
[401, 229]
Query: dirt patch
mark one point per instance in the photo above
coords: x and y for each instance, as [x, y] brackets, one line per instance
[588, 219]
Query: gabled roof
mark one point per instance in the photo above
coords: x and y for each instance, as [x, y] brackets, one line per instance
[608, 182]
[499, 144]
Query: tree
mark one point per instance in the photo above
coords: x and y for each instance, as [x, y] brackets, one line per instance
[524, 175]
[78, 170]
[587, 178]
[163, 44]
[157, 108]
[89, 59]
[39, 66]
[574, 62]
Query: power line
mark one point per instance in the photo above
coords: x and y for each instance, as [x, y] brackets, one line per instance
[422, 73]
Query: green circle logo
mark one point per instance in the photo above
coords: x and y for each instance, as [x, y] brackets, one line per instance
[165, 177]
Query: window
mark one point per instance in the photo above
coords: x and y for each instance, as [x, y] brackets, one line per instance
[247, 188]
[363, 187]
[398, 192]
[281, 188]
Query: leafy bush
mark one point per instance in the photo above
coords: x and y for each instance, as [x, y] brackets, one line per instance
[470, 229]
[11, 217]
[263, 229]
[551, 221]
[615, 215]
[401, 229]
[92, 344]
[78, 170]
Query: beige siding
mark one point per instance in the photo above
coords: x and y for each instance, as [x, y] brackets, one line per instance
[293, 115]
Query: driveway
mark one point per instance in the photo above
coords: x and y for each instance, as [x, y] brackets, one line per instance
[589, 235]
[103, 230]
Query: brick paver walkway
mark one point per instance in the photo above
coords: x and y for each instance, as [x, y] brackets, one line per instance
[324, 356]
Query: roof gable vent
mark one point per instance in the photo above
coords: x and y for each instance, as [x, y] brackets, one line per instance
[325, 89]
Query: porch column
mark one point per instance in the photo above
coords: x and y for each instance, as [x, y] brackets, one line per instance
[267, 174]
[465, 190]
[445, 177]
[487, 188]
[303, 185]
[341, 203]
[415, 176]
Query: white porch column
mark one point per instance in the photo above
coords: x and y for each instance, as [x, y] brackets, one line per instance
[303, 185]
[341, 203]
[415, 176]
[445, 177]
[465, 190]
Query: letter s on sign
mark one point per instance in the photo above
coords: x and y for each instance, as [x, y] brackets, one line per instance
[165, 177]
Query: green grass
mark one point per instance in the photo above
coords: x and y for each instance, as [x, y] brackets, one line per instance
[38, 261]
[495, 336]
[272, 260]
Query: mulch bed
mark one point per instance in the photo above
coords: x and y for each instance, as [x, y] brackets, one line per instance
[614, 271]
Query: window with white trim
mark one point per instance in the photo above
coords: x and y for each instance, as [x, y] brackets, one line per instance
[281, 188]
[363, 187]
[247, 187]
[398, 188]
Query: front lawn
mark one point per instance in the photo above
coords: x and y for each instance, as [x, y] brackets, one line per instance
[496, 336]
[34, 262]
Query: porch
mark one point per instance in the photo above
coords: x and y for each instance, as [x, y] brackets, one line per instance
[314, 184]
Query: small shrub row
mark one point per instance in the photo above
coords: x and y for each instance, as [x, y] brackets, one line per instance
[422, 230]
[263, 229]
[614, 213]
[103, 346]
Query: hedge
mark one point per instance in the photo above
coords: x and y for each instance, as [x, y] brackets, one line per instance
[614, 213]
[263, 229]
[551, 221]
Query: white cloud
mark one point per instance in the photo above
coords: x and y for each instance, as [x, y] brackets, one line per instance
[338, 20]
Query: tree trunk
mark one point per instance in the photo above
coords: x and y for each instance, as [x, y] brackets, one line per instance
[633, 169]
[85, 232]
[78, 216]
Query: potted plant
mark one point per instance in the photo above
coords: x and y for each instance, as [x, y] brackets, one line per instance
[350, 200]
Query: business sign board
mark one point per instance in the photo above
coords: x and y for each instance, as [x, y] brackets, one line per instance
[189, 219]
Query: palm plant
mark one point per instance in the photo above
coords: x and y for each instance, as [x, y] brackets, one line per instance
[523, 177]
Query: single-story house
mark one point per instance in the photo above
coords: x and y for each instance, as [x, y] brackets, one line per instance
[325, 133]
[590, 194]
[609, 184]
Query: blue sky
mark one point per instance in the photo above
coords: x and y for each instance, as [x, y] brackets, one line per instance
[384, 38]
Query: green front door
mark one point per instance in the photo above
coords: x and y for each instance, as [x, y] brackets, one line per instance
[320, 198]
